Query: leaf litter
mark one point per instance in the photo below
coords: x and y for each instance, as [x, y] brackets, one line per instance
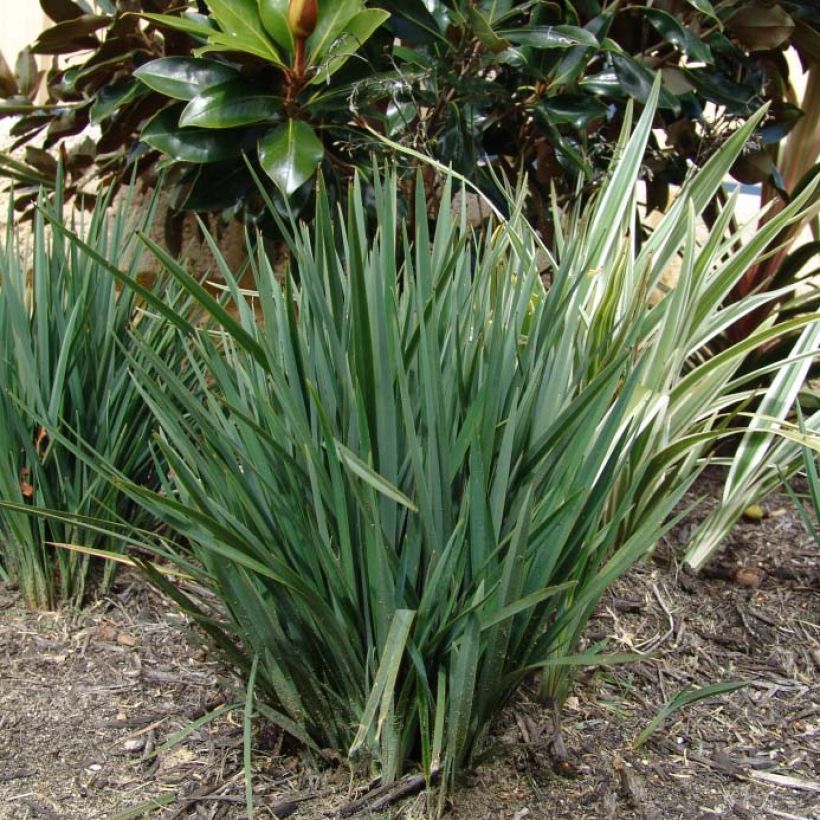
[120, 710]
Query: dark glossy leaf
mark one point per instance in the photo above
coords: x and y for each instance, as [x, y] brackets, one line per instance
[806, 41]
[120, 130]
[753, 167]
[681, 37]
[230, 105]
[71, 35]
[575, 60]
[274, 15]
[571, 66]
[550, 12]
[28, 75]
[705, 8]
[332, 21]
[637, 80]
[112, 96]
[760, 27]
[411, 22]
[484, 31]
[218, 187]
[657, 195]
[183, 78]
[568, 153]
[31, 124]
[290, 154]
[358, 30]
[240, 21]
[61, 10]
[8, 82]
[577, 110]
[495, 9]
[604, 84]
[780, 124]
[546, 37]
[716, 87]
[194, 25]
[807, 10]
[189, 144]
[411, 56]
[599, 26]
[114, 53]
[68, 122]
[219, 43]
[42, 161]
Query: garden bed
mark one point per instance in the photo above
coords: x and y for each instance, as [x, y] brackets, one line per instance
[89, 700]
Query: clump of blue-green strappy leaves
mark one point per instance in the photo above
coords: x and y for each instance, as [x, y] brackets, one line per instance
[66, 329]
[412, 469]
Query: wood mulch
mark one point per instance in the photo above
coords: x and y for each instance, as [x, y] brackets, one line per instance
[92, 705]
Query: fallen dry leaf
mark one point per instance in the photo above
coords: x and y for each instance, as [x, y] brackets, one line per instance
[106, 632]
[749, 577]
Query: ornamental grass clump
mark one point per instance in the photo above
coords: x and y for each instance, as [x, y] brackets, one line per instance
[412, 470]
[65, 329]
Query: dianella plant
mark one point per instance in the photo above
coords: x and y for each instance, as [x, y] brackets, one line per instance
[65, 331]
[414, 468]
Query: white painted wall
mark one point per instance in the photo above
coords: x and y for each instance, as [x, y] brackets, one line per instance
[20, 23]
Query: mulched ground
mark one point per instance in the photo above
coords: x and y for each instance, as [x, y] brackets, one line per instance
[91, 705]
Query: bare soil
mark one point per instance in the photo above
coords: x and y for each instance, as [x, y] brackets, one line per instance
[92, 702]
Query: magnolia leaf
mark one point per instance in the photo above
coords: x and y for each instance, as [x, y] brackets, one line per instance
[229, 105]
[193, 25]
[484, 31]
[61, 10]
[71, 35]
[28, 76]
[761, 27]
[112, 96]
[220, 43]
[753, 167]
[329, 28]
[547, 37]
[274, 16]
[290, 153]
[578, 110]
[188, 144]
[637, 80]
[8, 82]
[183, 78]
[357, 31]
[707, 9]
[673, 31]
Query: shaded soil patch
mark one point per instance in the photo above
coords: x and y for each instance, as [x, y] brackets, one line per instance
[89, 702]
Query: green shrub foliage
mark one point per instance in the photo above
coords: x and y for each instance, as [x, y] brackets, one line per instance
[412, 470]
